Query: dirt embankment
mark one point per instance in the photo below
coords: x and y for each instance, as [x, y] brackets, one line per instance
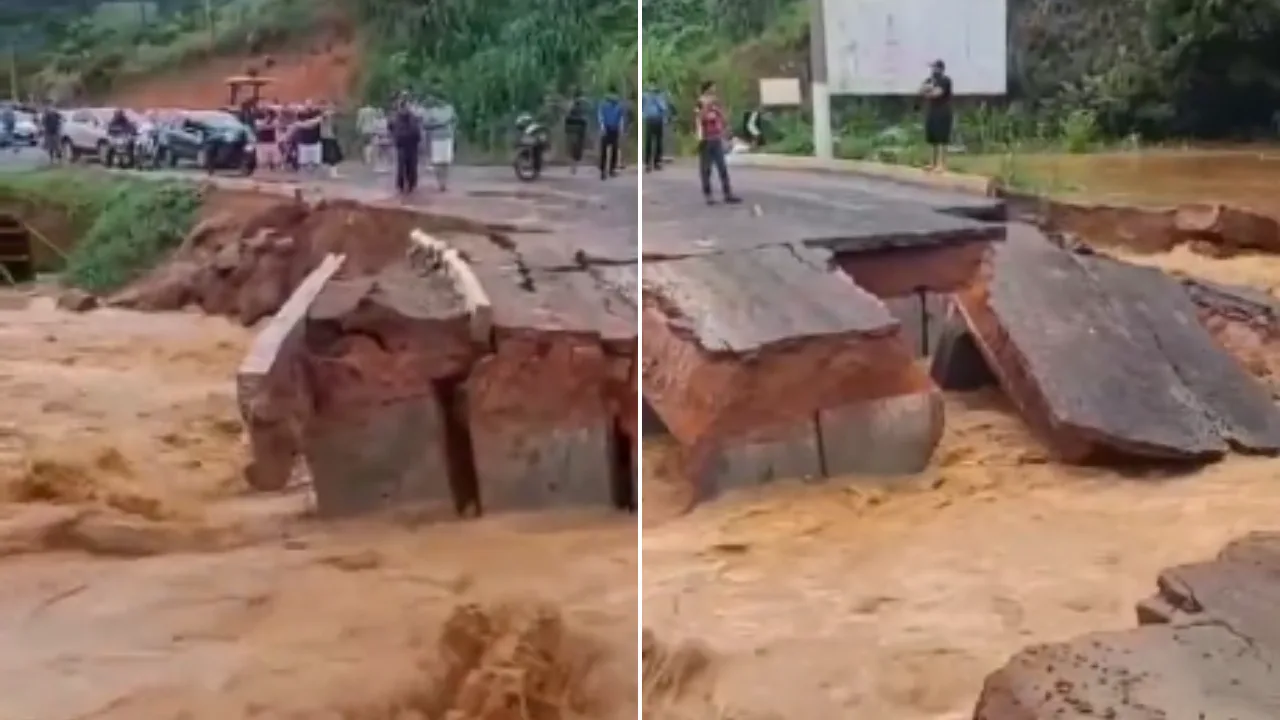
[322, 68]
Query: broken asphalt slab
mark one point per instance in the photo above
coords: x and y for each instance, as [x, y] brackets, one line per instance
[1208, 648]
[1107, 360]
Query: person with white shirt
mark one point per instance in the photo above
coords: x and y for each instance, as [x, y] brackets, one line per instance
[439, 121]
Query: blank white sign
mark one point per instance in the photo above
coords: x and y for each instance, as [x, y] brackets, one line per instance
[780, 91]
[884, 47]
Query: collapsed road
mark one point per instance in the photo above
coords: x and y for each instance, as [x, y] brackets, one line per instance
[781, 335]
[489, 365]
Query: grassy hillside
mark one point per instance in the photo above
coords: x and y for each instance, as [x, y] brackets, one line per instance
[494, 60]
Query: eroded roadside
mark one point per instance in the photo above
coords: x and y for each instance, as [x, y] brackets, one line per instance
[145, 581]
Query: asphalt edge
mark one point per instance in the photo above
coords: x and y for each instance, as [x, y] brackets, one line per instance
[949, 181]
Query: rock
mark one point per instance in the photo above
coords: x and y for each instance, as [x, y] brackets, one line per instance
[76, 300]
[743, 350]
[1106, 360]
[1208, 648]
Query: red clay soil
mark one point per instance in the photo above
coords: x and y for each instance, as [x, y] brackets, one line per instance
[250, 250]
[323, 69]
[1213, 229]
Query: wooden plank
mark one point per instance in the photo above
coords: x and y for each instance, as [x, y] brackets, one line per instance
[431, 253]
[270, 389]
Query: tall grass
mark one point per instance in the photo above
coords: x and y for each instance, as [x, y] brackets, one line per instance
[495, 60]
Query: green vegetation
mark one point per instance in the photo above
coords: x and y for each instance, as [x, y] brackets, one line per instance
[128, 225]
[1084, 76]
[494, 60]
[87, 53]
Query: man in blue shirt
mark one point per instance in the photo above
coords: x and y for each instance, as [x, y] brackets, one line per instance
[657, 113]
[611, 116]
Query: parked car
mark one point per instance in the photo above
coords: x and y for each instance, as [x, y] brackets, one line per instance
[185, 136]
[25, 131]
[84, 132]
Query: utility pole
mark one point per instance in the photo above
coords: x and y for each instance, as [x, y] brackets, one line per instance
[208, 21]
[13, 72]
[819, 91]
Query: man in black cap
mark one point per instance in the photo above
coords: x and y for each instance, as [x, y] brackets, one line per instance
[937, 114]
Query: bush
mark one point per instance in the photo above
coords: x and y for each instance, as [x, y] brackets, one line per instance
[130, 224]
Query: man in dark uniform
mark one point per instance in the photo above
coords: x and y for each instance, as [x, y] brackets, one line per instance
[937, 113]
[406, 133]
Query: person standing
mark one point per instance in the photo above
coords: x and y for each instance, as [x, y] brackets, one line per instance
[711, 128]
[330, 150]
[611, 117]
[440, 121]
[937, 113]
[406, 133]
[306, 134]
[8, 124]
[656, 112]
[575, 129]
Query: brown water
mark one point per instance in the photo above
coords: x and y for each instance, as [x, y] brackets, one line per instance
[1246, 177]
[856, 599]
[120, 438]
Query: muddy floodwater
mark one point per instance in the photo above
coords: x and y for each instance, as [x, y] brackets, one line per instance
[142, 582]
[1247, 176]
[858, 598]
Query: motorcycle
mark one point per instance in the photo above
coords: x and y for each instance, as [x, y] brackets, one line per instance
[121, 151]
[147, 152]
[531, 148]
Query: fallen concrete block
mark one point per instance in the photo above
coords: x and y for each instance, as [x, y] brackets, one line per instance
[544, 409]
[1107, 360]
[791, 452]
[381, 351]
[889, 436]
[270, 390]
[740, 347]
[1208, 648]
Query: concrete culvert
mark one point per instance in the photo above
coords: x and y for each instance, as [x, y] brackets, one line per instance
[17, 261]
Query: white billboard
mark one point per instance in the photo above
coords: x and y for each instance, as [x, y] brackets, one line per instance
[884, 47]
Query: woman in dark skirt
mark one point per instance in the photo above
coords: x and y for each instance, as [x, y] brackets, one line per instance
[937, 114]
[330, 150]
